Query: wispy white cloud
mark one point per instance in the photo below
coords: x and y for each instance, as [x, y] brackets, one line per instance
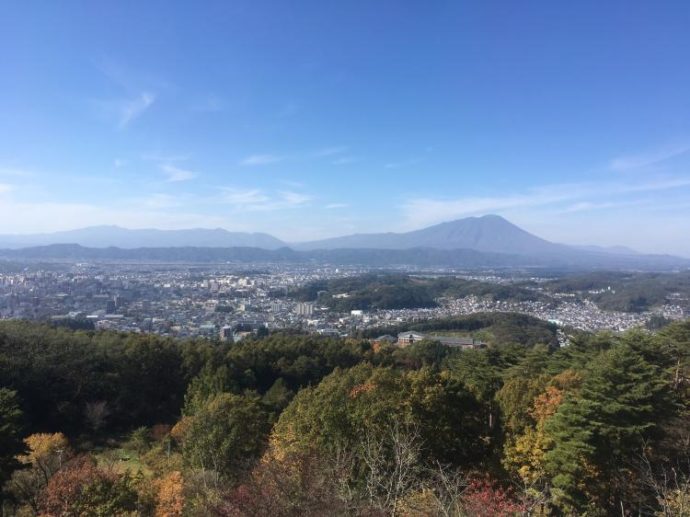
[421, 212]
[175, 174]
[583, 206]
[573, 197]
[402, 164]
[651, 186]
[159, 200]
[294, 198]
[336, 205]
[138, 89]
[270, 158]
[5, 188]
[329, 151]
[243, 197]
[589, 206]
[131, 109]
[648, 159]
[258, 200]
[261, 159]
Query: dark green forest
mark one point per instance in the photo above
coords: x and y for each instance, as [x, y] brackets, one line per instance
[103, 423]
[391, 291]
[494, 328]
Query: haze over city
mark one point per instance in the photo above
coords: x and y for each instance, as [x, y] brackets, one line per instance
[572, 121]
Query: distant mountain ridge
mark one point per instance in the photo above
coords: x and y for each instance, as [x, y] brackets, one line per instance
[489, 233]
[488, 241]
[115, 236]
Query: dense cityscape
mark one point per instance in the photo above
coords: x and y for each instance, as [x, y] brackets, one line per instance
[229, 302]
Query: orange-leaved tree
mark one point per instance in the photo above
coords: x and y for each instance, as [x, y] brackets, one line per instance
[170, 495]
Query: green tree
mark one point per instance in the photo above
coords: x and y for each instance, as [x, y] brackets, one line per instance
[351, 406]
[209, 383]
[277, 397]
[11, 420]
[598, 433]
[226, 434]
[675, 341]
[424, 353]
[516, 397]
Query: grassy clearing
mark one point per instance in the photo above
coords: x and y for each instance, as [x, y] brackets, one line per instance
[122, 460]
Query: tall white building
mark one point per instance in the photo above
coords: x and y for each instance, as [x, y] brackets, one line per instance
[304, 309]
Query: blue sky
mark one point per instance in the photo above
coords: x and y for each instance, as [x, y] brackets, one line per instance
[308, 119]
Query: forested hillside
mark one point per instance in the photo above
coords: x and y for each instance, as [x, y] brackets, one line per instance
[629, 292]
[494, 328]
[391, 291]
[99, 423]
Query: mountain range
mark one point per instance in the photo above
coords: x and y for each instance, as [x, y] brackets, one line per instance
[115, 236]
[489, 241]
[489, 233]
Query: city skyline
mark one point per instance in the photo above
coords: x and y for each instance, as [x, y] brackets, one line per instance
[310, 121]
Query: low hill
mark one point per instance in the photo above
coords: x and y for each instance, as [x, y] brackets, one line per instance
[391, 291]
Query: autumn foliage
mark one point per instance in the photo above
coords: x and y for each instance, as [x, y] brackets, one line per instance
[170, 502]
[292, 425]
[82, 488]
[483, 498]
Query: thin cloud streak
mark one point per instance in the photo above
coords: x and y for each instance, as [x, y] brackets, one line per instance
[261, 159]
[243, 197]
[269, 158]
[589, 206]
[402, 164]
[639, 161]
[175, 174]
[256, 200]
[329, 151]
[294, 198]
[419, 212]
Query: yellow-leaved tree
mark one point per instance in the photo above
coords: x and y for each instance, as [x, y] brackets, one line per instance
[525, 454]
[170, 495]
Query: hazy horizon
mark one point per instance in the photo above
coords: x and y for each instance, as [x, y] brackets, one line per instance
[307, 121]
[287, 242]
